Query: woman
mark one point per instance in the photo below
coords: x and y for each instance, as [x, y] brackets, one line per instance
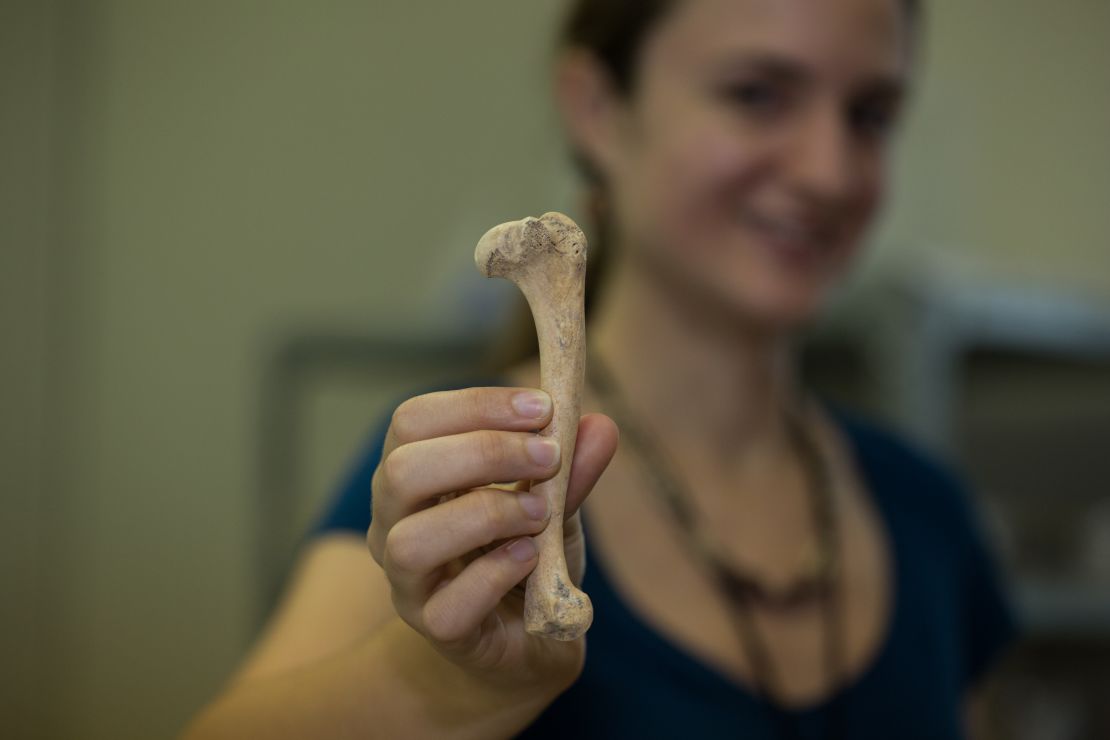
[761, 566]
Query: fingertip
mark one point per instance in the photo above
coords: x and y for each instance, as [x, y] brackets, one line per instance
[532, 404]
[522, 550]
[600, 430]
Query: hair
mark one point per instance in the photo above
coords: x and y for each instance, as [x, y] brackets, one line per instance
[613, 31]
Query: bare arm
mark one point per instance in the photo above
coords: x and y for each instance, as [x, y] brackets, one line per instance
[335, 661]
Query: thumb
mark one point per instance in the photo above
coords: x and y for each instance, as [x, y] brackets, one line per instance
[593, 450]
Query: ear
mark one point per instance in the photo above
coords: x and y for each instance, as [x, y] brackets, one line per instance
[589, 106]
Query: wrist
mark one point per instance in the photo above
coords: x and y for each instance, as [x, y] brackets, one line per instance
[448, 696]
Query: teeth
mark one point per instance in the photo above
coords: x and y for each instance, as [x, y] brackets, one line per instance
[785, 230]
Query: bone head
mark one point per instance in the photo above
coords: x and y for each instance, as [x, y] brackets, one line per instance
[521, 246]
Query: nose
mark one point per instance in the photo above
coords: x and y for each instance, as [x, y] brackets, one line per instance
[821, 163]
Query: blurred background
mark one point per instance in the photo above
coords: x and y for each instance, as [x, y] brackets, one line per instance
[232, 232]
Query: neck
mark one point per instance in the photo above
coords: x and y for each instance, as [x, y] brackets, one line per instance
[714, 390]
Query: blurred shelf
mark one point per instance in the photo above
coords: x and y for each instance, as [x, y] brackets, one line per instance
[1063, 610]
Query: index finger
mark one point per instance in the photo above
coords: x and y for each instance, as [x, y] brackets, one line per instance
[453, 412]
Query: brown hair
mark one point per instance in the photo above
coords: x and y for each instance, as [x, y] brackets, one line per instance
[614, 31]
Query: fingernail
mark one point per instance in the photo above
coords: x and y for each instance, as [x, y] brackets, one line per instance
[534, 505]
[522, 550]
[543, 450]
[532, 405]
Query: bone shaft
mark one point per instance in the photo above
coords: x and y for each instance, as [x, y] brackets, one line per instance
[562, 368]
[562, 365]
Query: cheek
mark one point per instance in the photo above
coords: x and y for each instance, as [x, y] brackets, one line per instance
[698, 181]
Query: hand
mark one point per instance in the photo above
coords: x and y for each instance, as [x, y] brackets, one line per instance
[455, 546]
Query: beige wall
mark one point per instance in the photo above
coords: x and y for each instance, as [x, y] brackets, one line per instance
[1006, 160]
[26, 258]
[198, 178]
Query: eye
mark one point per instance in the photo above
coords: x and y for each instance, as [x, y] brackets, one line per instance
[755, 96]
[873, 119]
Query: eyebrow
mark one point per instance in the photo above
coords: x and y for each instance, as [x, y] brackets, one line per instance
[772, 65]
[785, 69]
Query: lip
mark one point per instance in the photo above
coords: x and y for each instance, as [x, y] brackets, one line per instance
[797, 242]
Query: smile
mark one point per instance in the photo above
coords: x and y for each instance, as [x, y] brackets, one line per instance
[792, 239]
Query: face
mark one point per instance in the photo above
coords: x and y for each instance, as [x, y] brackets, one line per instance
[749, 159]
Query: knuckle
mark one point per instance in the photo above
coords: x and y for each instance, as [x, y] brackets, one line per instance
[403, 421]
[494, 511]
[475, 402]
[491, 450]
[491, 406]
[400, 552]
[440, 624]
[393, 469]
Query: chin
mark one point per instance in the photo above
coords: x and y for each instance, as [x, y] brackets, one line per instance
[778, 310]
[769, 306]
[769, 297]
[788, 293]
[788, 315]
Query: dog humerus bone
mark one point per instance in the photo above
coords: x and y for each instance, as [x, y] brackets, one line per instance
[546, 258]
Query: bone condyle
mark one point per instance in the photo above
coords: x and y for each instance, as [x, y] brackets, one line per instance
[546, 258]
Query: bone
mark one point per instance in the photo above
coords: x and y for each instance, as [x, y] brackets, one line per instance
[546, 258]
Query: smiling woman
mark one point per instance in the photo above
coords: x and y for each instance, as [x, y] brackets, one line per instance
[761, 565]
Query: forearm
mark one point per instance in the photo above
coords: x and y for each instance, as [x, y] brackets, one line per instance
[393, 684]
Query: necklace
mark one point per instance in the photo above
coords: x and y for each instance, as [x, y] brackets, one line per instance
[741, 590]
